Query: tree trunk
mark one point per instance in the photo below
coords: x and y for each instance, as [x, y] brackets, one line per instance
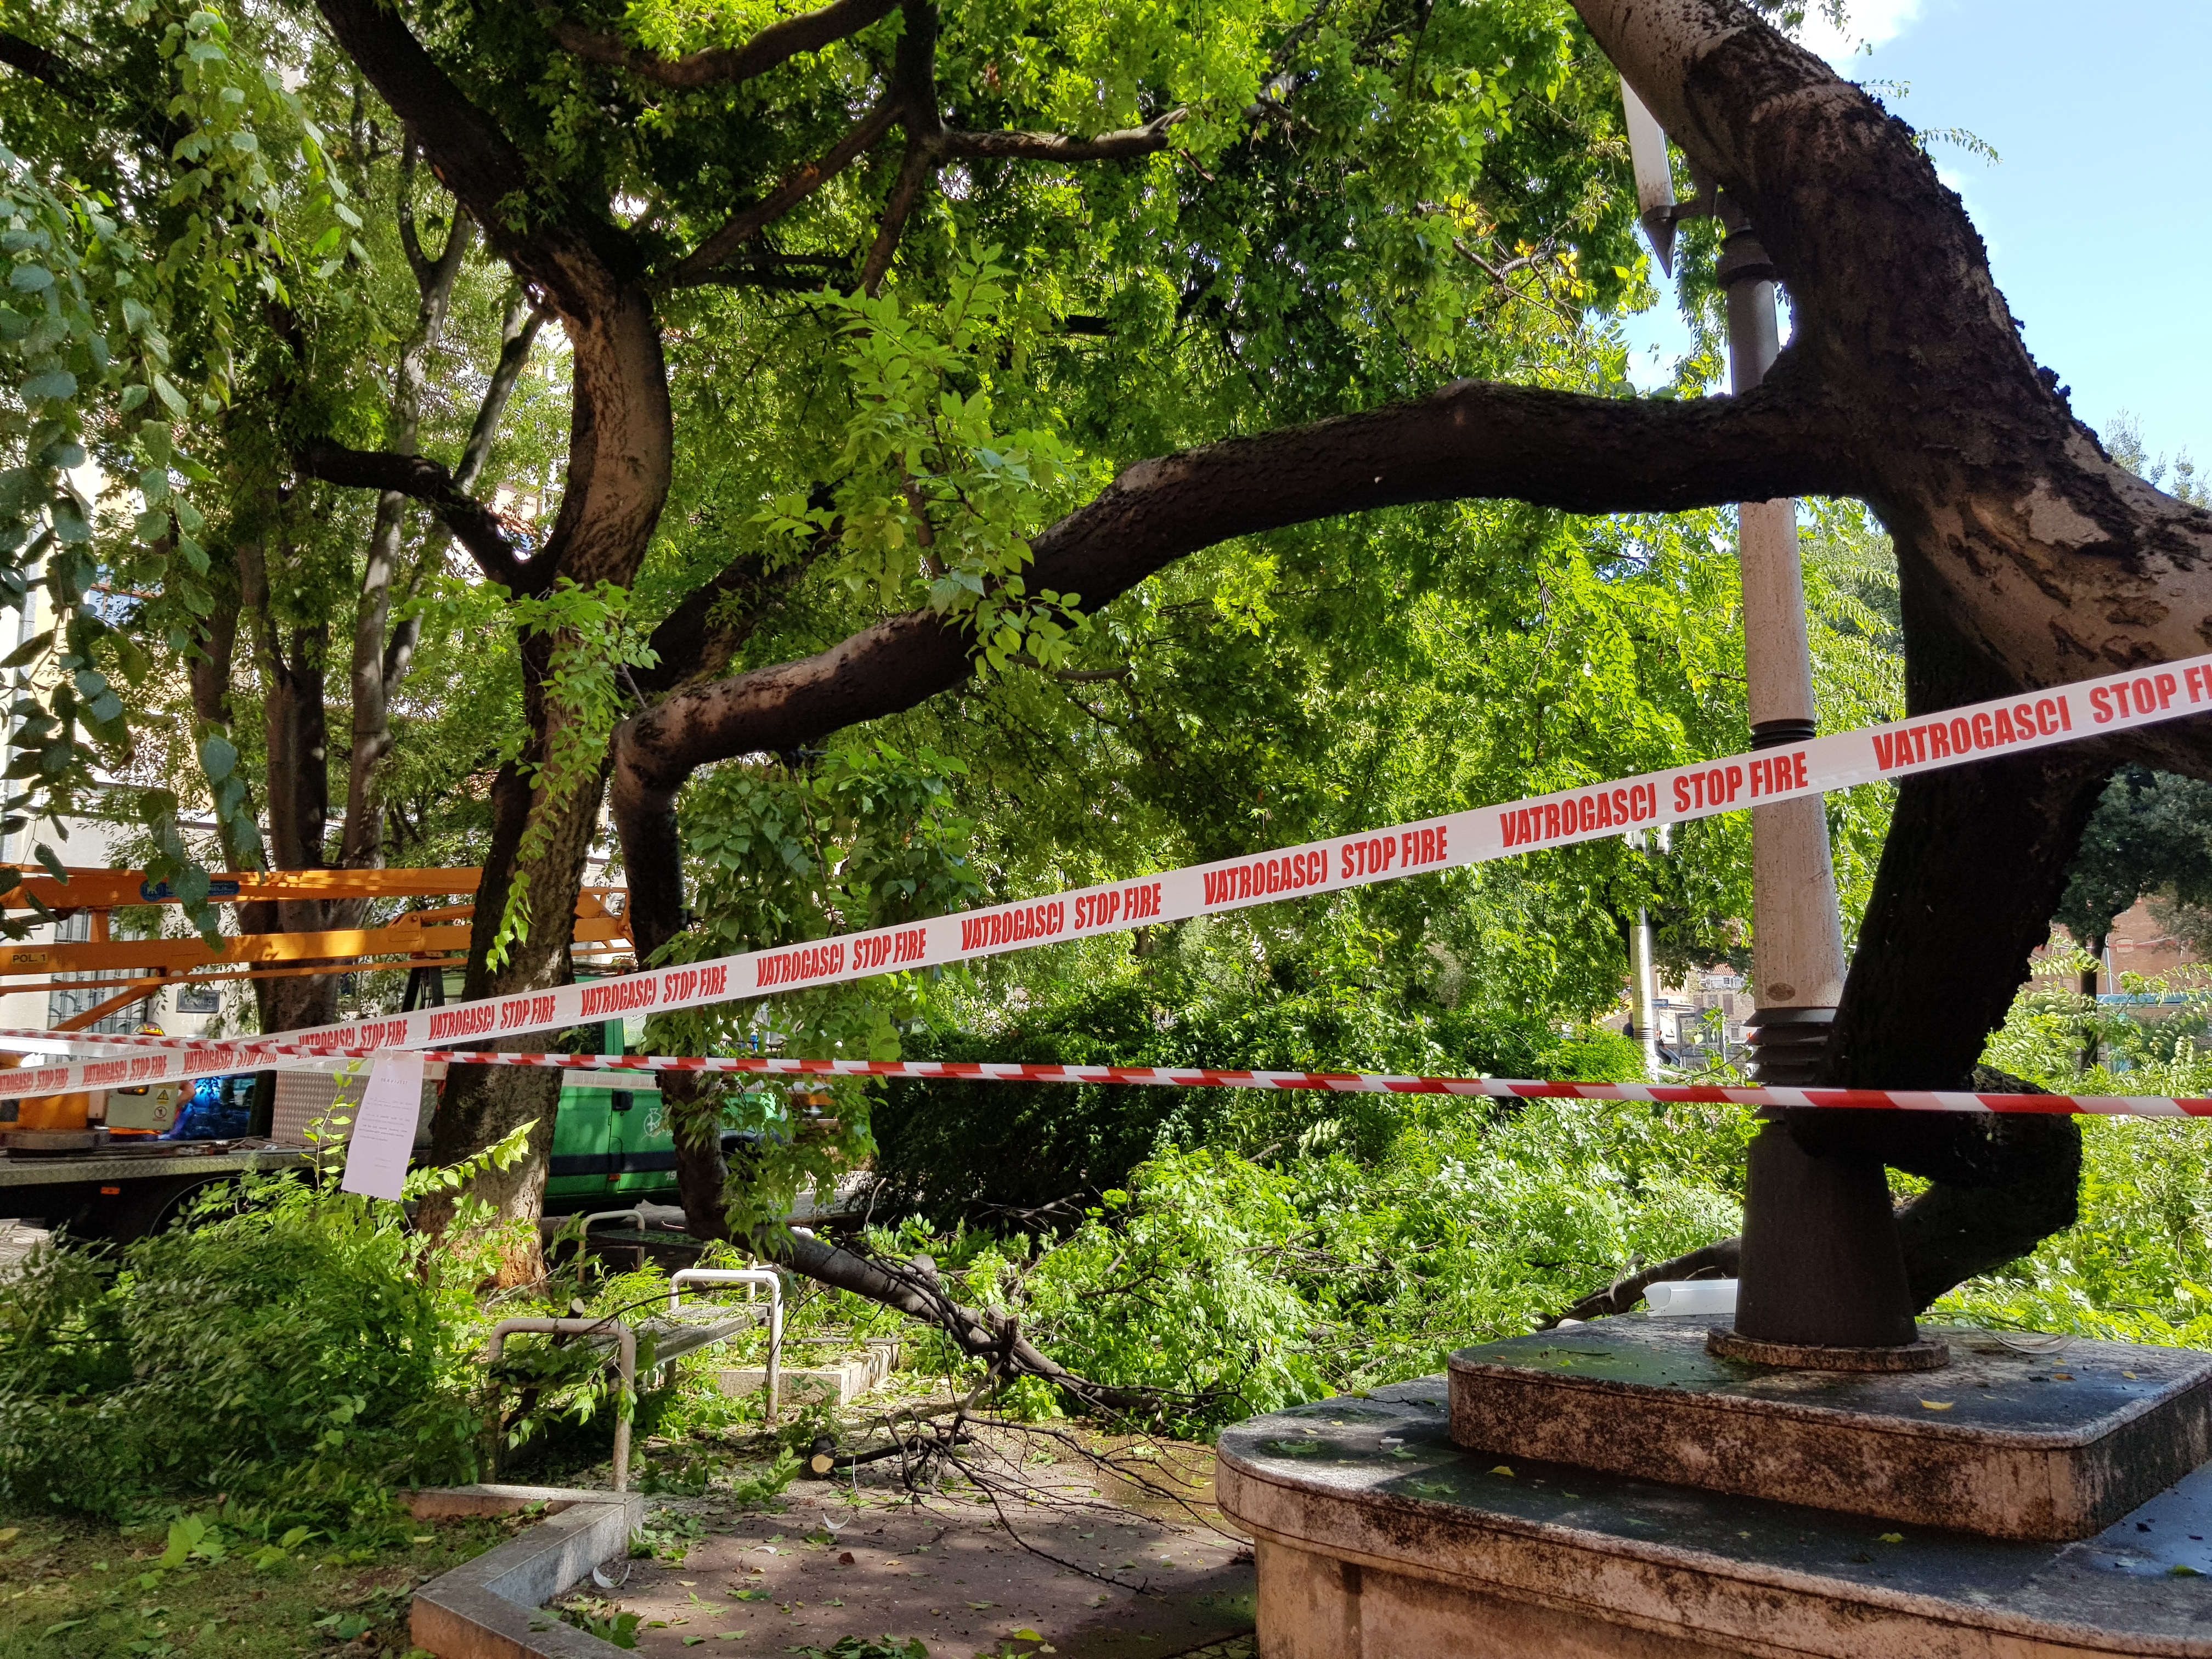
[291, 666]
[482, 1105]
[2088, 986]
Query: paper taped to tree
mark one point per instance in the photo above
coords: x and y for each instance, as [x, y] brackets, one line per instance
[383, 1138]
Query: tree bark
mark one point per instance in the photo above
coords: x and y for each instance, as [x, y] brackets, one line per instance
[1471, 439]
[291, 661]
[621, 454]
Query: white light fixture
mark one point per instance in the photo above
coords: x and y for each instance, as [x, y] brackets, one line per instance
[1655, 179]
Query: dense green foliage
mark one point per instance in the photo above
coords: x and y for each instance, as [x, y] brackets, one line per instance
[1240, 1286]
[2151, 834]
[942, 1148]
[295, 1355]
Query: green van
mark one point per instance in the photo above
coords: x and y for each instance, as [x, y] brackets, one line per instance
[610, 1136]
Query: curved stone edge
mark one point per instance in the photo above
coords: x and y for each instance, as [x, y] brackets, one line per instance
[486, 1608]
[1428, 1565]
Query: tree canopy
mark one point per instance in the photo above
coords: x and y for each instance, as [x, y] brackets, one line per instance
[864, 458]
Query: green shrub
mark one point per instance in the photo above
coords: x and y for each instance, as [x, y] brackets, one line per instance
[2138, 1266]
[307, 1352]
[973, 1150]
[1247, 1286]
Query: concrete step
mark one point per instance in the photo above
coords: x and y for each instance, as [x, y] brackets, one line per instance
[840, 1384]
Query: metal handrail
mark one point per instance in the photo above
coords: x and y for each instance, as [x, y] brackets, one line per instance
[750, 1277]
[625, 1364]
[635, 1215]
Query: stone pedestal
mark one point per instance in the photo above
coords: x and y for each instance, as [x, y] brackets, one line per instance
[1379, 1537]
[2007, 1443]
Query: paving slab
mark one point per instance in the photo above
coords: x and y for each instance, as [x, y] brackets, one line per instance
[1085, 1566]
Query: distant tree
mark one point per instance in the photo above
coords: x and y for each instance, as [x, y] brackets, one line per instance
[2150, 834]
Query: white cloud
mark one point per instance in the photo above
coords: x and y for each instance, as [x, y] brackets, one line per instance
[1866, 23]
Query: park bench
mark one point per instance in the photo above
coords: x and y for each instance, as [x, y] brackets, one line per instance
[674, 1335]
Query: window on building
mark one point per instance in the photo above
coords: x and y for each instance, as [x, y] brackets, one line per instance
[68, 1003]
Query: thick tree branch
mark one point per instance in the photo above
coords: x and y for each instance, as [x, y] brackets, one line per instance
[517, 333]
[431, 276]
[473, 524]
[576, 257]
[914, 174]
[520, 330]
[2047, 558]
[930, 144]
[621, 434]
[776, 44]
[1721, 1259]
[927, 151]
[1145, 140]
[1470, 439]
[28, 57]
[697, 267]
[911, 101]
[702, 636]
[153, 126]
[916, 1293]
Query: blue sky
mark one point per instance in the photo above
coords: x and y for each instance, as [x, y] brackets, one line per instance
[2093, 225]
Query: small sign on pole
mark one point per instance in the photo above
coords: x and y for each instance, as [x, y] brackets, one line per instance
[384, 1128]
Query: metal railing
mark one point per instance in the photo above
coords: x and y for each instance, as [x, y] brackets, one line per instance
[625, 1365]
[752, 1278]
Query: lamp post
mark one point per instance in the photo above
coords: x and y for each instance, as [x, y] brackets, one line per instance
[1644, 969]
[1821, 1268]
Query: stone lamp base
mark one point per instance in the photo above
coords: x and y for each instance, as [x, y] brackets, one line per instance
[2011, 1439]
[1378, 1537]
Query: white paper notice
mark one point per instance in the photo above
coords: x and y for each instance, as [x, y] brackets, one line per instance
[384, 1127]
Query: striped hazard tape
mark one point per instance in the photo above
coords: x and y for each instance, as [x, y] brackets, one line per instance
[2112, 703]
[277, 1055]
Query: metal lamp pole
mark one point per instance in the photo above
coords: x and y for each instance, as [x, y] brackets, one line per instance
[1820, 1263]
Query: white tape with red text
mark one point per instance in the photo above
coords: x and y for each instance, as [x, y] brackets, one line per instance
[2066, 713]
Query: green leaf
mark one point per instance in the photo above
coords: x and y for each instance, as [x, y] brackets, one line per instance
[217, 757]
[30, 279]
[54, 383]
[170, 396]
[29, 651]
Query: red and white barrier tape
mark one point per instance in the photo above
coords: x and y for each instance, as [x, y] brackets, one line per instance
[2114, 702]
[284, 1055]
